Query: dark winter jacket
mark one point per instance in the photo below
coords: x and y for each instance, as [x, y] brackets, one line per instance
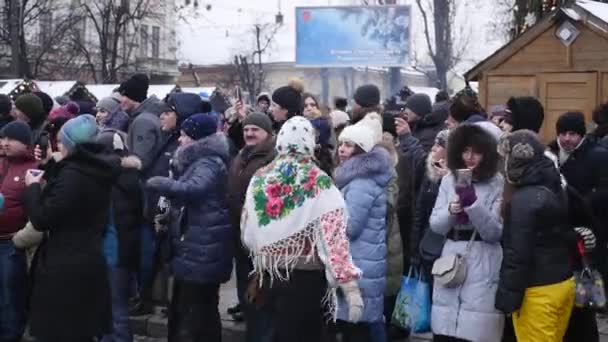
[235, 133]
[160, 167]
[4, 120]
[535, 236]
[145, 136]
[71, 295]
[246, 163]
[426, 128]
[127, 208]
[425, 202]
[202, 242]
[586, 170]
[12, 187]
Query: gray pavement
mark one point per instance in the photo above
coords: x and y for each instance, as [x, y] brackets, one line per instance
[153, 328]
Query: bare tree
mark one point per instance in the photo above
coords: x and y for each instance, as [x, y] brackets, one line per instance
[250, 69]
[30, 52]
[115, 25]
[440, 38]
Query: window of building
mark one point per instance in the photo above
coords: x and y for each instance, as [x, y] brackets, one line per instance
[143, 43]
[155, 42]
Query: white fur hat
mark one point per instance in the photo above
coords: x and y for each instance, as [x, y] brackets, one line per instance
[373, 121]
[361, 135]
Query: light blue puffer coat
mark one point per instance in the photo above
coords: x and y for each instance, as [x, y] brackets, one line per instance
[363, 180]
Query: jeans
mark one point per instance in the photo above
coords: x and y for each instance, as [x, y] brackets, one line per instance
[13, 279]
[119, 284]
[193, 313]
[147, 258]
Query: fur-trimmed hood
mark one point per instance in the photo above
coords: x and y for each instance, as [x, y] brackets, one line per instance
[215, 145]
[375, 164]
[389, 144]
[130, 162]
[471, 135]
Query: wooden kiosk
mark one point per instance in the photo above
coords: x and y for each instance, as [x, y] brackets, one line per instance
[562, 60]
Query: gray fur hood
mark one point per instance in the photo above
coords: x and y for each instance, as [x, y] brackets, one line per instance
[215, 145]
[376, 164]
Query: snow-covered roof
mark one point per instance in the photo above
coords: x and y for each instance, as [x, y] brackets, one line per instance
[598, 9]
[6, 86]
[101, 90]
[55, 88]
[160, 90]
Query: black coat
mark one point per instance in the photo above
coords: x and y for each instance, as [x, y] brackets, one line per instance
[536, 236]
[71, 293]
[425, 202]
[127, 203]
[586, 172]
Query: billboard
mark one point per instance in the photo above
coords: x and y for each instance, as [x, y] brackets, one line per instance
[351, 36]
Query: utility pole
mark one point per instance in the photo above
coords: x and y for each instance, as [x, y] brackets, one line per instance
[15, 21]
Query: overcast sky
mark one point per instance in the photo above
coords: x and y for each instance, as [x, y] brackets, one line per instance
[213, 36]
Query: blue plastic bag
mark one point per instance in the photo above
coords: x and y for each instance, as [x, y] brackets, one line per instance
[413, 305]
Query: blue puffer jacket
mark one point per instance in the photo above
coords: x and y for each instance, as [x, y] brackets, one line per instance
[201, 235]
[363, 180]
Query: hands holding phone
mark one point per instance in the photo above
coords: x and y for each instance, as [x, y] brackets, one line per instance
[33, 176]
[402, 126]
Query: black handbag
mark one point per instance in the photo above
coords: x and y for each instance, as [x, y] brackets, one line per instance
[431, 246]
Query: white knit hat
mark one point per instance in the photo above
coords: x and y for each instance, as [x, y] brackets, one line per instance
[360, 135]
[373, 121]
[338, 118]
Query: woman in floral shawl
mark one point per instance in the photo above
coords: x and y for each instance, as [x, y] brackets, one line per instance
[294, 224]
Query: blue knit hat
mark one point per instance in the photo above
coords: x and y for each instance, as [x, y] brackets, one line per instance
[81, 129]
[199, 126]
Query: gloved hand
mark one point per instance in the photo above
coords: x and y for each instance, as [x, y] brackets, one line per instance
[587, 236]
[352, 294]
[467, 195]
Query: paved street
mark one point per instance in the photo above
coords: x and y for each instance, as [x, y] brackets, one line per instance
[155, 327]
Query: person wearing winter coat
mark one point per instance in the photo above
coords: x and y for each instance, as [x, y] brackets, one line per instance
[600, 118]
[121, 238]
[584, 166]
[110, 115]
[29, 109]
[258, 152]
[286, 102]
[435, 168]
[145, 135]
[70, 272]
[16, 141]
[424, 121]
[364, 172]
[294, 224]
[467, 311]
[201, 236]
[536, 284]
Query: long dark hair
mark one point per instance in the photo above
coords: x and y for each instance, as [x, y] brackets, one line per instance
[469, 135]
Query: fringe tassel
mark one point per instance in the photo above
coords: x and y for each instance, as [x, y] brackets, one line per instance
[330, 302]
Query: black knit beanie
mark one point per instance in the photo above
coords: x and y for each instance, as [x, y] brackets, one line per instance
[571, 122]
[290, 96]
[135, 88]
[47, 101]
[367, 96]
[526, 113]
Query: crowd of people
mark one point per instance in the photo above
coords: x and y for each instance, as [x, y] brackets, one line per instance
[137, 202]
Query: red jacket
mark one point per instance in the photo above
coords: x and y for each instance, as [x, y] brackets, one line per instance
[12, 186]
